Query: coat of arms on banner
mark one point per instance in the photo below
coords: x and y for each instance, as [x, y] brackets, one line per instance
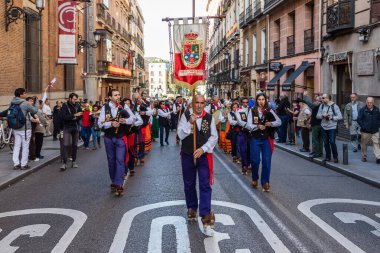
[192, 50]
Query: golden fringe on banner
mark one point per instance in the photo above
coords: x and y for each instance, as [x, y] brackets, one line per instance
[187, 85]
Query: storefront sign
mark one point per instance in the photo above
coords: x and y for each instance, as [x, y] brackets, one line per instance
[66, 32]
[364, 63]
[275, 66]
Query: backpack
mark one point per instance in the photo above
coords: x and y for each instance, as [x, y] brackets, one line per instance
[15, 118]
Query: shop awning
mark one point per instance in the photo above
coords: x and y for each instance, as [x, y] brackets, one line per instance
[287, 85]
[338, 57]
[272, 83]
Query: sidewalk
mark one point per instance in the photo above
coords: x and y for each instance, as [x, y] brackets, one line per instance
[8, 176]
[367, 172]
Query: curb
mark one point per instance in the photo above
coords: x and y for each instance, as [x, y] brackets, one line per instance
[333, 167]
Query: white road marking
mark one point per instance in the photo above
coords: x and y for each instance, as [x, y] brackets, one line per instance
[182, 235]
[31, 230]
[305, 208]
[347, 217]
[125, 225]
[78, 217]
[292, 237]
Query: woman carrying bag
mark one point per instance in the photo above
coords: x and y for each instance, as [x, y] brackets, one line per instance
[262, 122]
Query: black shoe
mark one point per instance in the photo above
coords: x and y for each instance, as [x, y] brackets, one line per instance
[304, 150]
[162, 144]
[326, 160]
[316, 156]
[359, 147]
[378, 161]
[335, 160]
[26, 167]
[41, 157]
[17, 167]
[364, 159]
[355, 150]
[311, 153]
[167, 142]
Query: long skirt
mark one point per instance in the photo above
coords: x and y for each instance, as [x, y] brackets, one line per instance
[148, 137]
[223, 142]
[155, 128]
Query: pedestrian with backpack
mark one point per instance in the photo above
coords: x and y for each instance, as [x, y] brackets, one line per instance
[330, 114]
[18, 118]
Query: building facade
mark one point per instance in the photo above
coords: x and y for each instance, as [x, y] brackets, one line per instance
[28, 50]
[158, 77]
[223, 60]
[351, 49]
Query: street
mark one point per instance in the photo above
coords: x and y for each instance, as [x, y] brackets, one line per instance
[309, 209]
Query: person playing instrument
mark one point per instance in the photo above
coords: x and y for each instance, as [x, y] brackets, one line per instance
[198, 161]
[115, 142]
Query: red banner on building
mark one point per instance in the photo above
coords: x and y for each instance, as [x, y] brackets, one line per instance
[66, 32]
[116, 70]
[189, 54]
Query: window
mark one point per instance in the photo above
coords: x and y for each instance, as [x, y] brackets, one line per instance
[375, 11]
[263, 49]
[152, 80]
[246, 52]
[32, 53]
[254, 44]
[69, 81]
[151, 73]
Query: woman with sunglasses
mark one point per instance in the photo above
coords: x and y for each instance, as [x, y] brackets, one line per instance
[261, 121]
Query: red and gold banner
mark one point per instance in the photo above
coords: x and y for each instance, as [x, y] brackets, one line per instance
[189, 54]
[116, 70]
[66, 32]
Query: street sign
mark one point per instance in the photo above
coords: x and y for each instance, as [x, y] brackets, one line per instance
[275, 66]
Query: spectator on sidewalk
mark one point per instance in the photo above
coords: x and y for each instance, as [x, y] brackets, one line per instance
[40, 130]
[32, 143]
[282, 114]
[56, 120]
[95, 130]
[70, 114]
[369, 122]
[22, 135]
[351, 112]
[49, 116]
[293, 113]
[303, 122]
[316, 130]
[330, 114]
[86, 126]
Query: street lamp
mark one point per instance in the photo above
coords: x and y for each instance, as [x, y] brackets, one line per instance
[13, 13]
[83, 43]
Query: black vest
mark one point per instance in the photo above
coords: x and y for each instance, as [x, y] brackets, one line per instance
[233, 116]
[163, 121]
[112, 131]
[202, 135]
[269, 131]
[145, 119]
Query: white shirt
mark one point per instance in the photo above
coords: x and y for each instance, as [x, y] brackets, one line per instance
[164, 114]
[253, 127]
[138, 120]
[238, 117]
[175, 108]
[46, 110]
[184, 130]
[114, 110]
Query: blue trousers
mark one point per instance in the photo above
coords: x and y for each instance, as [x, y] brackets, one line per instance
[329, 137]
[115, 149]
[189, 172]
[242, 140]
[95, 137]
[162, 128]
[86, 135]
[261, 146]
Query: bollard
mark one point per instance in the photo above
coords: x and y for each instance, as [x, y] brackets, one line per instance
[345, 153]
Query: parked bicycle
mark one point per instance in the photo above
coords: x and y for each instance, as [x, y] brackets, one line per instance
[6, 135]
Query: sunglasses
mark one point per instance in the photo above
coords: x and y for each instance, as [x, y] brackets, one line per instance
[323, 97]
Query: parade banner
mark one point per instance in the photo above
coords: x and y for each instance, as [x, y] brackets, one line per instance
[189, 54]
[66, 32]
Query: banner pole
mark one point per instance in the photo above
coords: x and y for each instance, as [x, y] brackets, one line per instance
[193, 102]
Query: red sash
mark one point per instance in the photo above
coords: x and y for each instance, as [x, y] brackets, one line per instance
[210, 167]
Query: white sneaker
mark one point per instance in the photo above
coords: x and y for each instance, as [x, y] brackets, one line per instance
[36, 160]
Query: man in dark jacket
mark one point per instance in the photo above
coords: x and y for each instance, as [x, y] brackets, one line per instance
[369, 121]
[70, 114]
[316, 130]
[56, 120]
[281, 110]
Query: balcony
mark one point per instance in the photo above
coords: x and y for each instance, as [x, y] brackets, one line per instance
[248, 14]
[108, 19]
[309, 40]
[114, 23]
[340, 16]
[258, 8]
[290, 45]
[270, 4]
[101, 12]
[276, 49]
[242, 23]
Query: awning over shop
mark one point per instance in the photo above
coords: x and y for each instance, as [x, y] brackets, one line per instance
[287, 85]
[338, 57]
[272, 83]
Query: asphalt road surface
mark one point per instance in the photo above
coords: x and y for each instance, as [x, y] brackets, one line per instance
[309, 209]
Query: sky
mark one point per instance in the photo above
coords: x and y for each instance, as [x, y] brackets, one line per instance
[155, 31]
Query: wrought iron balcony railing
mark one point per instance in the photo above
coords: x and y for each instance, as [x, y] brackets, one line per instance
[309, 40]
[258, 8]
[248, 14]
[340, 16]
[242, 19]
[290, 45]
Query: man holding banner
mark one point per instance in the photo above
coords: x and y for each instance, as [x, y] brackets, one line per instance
[196, 129]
